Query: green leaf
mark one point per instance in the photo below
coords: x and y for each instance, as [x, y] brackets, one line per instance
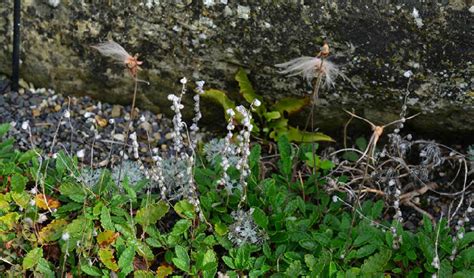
[32, 258]
[105, 219]
[361, 143]
[4, 129]
[126, 260]
[18, 183]
[151, 213]
[229, 261]
[260, 218]
[284, 148]
[181, 227]
[147, 274]
[296, 135]
[220, 229]
[27, 156]
[22, 198]
[44, 267]
[52, 231]
[221, 98]
[182, 260]
[246, 89]
[290, 104]
[366, 250]
[272, 115]
[106, 256]
[130, 191]
[91, 270]
[376, 264]
[185, 209]
[73, 191]
[326, 165]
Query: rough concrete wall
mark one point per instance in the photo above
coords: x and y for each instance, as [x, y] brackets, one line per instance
[374, 44]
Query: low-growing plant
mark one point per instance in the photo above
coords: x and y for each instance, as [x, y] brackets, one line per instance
[271, 120]
[52, 224]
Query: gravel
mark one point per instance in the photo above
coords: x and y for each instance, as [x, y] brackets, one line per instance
[95, 127]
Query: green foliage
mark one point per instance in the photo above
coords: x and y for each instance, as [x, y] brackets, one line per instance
[271, 121]
[300, 230]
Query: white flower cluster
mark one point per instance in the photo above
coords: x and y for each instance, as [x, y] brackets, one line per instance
[133, 137]
[197, 113]
[155, 174]
[460, 230]
[243, 148]
[227, 151]
[178, 124]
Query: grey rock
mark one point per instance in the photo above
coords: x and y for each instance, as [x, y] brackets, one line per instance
[374, 44]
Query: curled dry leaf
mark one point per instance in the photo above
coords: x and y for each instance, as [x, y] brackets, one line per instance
[45, 202]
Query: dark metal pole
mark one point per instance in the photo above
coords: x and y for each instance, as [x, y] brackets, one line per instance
[16, 46]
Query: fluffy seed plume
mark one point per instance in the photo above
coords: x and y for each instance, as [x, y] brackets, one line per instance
[118, 53]
[310, 67]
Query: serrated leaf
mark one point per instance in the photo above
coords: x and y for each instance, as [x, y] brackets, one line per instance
[44, 202]
[52, 231]
[164, 271]
[27, 156]
[9, 220]
[126, 260]
[18, 183]
[106, 238]
[32, 258]
[105, 219]
[143, 274]
[4, 129]
[73, 191]
[151, 213]
[260, 218]
[366, 250]
[22, 199]
[376, 263]
[44, 268]
[284, 148]
[91, 270]
[106, 256]
[182, 260]
[185, 209]
[181, 227]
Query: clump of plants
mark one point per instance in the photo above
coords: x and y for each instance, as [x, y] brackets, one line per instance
[230, 209]
[271, 120]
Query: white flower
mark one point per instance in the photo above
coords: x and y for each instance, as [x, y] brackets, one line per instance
[335, 199]
[200, 84]
[67, 114]
[65, 236]
[25, 125]
[257, 103]
[183, 80]
[408, 74]
[416, 16]
[41, 218]
[81, 153]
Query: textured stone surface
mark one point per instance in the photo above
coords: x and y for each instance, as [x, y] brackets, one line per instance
[374, 44]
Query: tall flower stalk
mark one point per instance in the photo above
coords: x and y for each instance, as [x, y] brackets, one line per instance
[119, 54]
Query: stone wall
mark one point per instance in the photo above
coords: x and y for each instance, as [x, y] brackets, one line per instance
[374, 44]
